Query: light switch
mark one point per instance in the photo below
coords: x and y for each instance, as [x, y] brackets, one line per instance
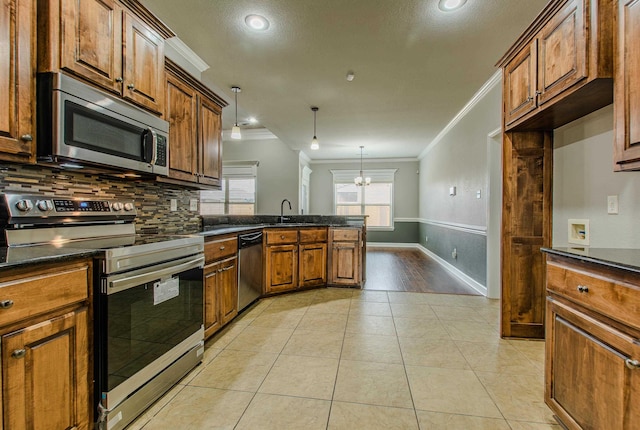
[452, 191]
[174, 205]
[479, 194]
[193, 205]
[612, 205]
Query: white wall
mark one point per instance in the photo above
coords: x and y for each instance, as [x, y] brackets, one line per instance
[583, 177]
[405, 187]
[277, 174]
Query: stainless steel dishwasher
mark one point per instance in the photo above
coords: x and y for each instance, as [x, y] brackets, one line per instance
[249, 268]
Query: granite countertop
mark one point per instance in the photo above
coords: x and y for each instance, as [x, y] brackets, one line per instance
[619, 258]
[23, 255]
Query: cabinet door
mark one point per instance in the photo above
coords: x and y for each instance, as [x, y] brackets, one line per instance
[627, 86]
[181, 112]
[210, 129]
[17, 25]
[45, 374]
[91, 41]
[143, 67]
[281, 268]
[562, 52]
[212, 322]
[589, 384]
[313, 264]
[520, 84]
[345, 263]
[228, 290]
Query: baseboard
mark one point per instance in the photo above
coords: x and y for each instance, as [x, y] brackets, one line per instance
[446, 265]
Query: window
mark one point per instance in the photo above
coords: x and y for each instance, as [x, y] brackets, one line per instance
[375, 200]
[237, 195]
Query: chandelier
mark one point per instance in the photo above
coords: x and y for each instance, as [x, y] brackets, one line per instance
[361, 180]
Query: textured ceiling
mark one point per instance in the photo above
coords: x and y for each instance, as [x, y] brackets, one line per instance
[415, 66]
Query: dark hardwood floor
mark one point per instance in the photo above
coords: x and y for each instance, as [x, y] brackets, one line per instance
[402, 269]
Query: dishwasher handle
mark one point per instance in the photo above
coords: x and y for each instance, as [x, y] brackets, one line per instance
[249, 239]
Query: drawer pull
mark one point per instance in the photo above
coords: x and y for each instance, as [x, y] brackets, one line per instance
[6, 304]
[225, 269]
[632, 364]
[221, 248]
[583, 289]
[19, 353]
[282, 236]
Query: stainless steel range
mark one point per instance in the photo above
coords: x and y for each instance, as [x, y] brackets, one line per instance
[148, 306]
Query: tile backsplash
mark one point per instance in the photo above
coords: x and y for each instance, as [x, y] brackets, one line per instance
[152, 198]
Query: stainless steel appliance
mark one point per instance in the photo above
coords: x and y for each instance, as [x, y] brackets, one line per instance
[148, 306]
[249, 264]
[79, 125]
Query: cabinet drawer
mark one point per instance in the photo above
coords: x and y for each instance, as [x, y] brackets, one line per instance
[43, 292]
[222, 248]
[313, 235]
[345, 234]
[281, 236]
[604, 295]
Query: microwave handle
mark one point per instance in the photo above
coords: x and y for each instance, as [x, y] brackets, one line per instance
[149, 146]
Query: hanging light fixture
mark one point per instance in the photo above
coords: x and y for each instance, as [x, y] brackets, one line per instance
[235, 130]
[315, 145]
[361, 180]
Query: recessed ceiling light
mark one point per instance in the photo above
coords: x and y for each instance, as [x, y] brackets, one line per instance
[253, 120]
[257, 22]
[449, 5]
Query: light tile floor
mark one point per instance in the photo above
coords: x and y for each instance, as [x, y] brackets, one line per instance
[350, 359]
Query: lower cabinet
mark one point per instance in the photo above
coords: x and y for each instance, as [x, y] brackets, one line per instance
[313, 264]
[281, 268]
[345, 256]
[44, 335]
[220, 283]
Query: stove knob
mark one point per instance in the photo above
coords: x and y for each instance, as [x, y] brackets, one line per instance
[44, 205]
[128, 206]
[117, 206]
[24, 205]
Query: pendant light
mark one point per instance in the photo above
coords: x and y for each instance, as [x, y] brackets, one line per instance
[315, 145]
[361, 180]
[235, 130]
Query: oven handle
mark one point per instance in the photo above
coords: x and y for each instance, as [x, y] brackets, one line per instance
[142, 278]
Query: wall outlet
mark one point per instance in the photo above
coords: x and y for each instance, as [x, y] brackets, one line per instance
[193, 205]
[452, 191]
[426, 239]
[174, 205]
[612, 205]
[479, 194]
[454, 254]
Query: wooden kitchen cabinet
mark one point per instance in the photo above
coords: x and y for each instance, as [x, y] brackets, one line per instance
[626, 152]
[220, 283]
[17, 73]
[345, 257]
[313, 257]
[561, 68]
[118, 46]
[195, 133]
[46, 379]
[592, 376]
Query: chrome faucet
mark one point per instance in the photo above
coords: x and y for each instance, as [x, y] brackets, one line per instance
[282, 218]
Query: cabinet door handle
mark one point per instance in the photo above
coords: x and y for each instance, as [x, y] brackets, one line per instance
[26, 138]
[583, 289]
[529, 99]
[19, 353]
[131, 86]
[632, 364]
[119, 80]
[6, 304]
[225, 269]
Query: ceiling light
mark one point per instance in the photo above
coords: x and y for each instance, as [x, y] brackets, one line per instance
[235, 130]
[350, 75]
[315, 145]
[252, 120]
[257, 22]
[361, 180]
[449, 5]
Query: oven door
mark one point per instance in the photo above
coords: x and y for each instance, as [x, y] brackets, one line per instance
[146, 319]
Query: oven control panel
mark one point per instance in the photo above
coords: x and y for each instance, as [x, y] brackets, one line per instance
[33, 206]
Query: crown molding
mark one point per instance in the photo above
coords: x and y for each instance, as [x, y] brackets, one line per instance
[366, 160]
[249, 134]
[488, 86]
[187, 53]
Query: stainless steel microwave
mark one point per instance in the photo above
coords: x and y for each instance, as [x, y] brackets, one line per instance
[79, 126]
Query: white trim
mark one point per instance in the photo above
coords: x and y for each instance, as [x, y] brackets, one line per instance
[187, 53]
[376, 175]
[406, 219]
[447, 266]
[368, 160]
[495, 133]
[488, 86]
[467, 228]
[304, 157]
[455, 271]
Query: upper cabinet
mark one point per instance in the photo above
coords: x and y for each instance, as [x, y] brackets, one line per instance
[107, 43]
[561, 68]
[627, 86]
[17, 127]
[194, 113]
